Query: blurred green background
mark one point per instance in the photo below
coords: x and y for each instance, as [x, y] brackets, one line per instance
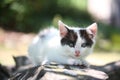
[29, 16]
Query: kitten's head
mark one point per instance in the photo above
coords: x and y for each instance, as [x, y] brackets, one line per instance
[77, 41]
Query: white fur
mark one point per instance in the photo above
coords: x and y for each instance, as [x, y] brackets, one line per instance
[49, 49]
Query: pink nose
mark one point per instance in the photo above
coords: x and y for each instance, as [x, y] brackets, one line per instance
[77, 53]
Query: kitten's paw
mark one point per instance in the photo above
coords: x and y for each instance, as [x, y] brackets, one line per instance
[82, 64]
[85, 64]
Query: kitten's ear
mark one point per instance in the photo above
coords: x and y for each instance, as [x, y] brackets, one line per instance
[93, 28]
[62, 28]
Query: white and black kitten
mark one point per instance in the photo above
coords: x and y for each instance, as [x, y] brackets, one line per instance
[68, 45]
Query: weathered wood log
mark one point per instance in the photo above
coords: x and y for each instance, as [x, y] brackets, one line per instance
[112, 69]
[55, 73]
[4, 74]
[72, 73]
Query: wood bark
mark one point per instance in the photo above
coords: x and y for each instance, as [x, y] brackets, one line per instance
[109, 71]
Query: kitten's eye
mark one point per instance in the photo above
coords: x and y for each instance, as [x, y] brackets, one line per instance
[83, 45]
[71, 45]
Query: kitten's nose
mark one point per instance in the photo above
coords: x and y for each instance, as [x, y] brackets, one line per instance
[77, 53]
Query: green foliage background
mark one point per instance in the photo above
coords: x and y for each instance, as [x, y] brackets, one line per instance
[33, 15]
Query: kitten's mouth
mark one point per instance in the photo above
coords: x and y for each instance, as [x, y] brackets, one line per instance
[77, 53]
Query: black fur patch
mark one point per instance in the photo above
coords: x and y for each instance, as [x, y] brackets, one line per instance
[88, 40]
[70, 39]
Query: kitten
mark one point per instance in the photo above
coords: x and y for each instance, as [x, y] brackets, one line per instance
[68, 45]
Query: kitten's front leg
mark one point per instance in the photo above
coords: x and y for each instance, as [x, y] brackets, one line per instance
[82, 63]
[85, 63]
